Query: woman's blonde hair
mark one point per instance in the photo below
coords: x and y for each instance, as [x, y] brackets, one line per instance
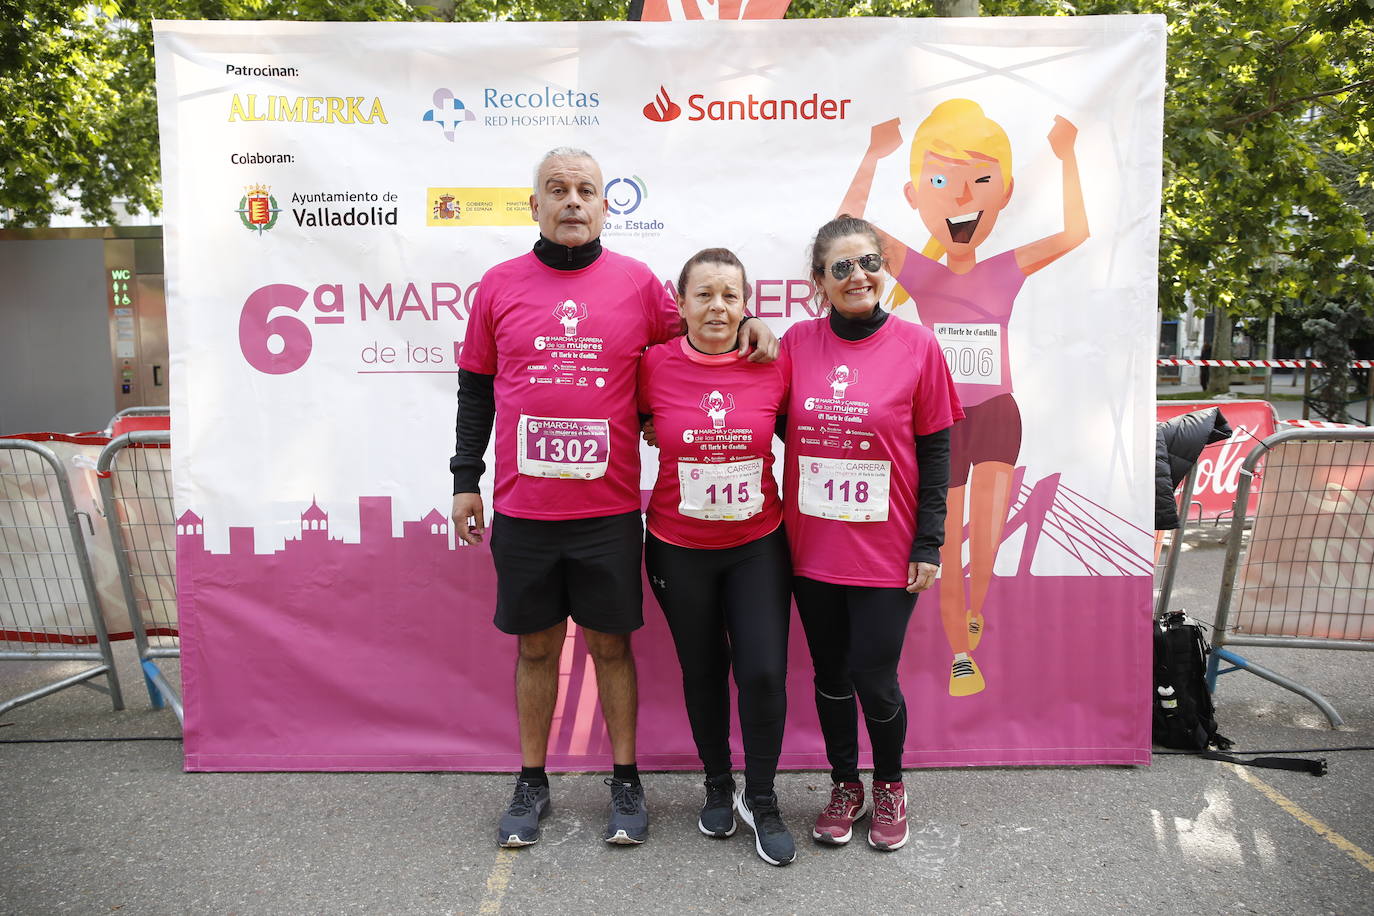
[958, 128]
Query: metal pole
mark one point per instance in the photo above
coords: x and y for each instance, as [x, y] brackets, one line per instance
[1166, 582]
[1369, 398]
[1269, 354]
[1306, 387]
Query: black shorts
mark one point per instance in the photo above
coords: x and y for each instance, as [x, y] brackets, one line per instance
[990, 431]
[584, 568]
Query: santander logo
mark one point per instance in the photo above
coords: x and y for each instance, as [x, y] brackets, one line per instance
[662, 108]
[750, 108]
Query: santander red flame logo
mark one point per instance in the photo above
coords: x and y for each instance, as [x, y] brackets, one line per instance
[662, 108]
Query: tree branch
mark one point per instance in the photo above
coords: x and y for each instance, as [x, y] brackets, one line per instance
[1255, 115]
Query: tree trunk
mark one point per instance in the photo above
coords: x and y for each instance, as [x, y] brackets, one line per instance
[957, 8]
[1220, 380]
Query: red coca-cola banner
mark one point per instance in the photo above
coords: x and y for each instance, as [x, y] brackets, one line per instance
[1218, 469]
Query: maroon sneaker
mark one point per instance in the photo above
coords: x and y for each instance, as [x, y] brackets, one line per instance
[835, 825]
[887, 830]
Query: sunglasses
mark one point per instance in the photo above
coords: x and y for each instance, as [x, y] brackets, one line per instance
[871, 263]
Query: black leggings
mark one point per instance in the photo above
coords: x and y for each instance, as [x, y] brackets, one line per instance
[855, 634]
[723, 606]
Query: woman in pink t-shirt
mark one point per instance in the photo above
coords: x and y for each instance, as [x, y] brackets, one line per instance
[715, 551]
[868, 419]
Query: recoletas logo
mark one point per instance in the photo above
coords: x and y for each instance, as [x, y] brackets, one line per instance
[448, 112]
[662, 108]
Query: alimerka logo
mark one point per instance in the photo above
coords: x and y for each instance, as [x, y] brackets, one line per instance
[312, 109]
[750, 108]
[662, 108]
[258, 209]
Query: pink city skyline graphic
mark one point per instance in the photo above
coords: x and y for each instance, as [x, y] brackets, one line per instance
[374, 527]
[385, 650]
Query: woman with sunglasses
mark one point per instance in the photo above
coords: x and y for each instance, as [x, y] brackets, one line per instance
[868, 420]
[715, 552]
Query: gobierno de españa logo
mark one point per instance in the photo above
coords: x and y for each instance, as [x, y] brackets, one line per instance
[258, 209]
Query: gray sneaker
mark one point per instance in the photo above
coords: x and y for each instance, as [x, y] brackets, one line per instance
[717, 817]
[772, 839]
[520, 824]
[629, 823]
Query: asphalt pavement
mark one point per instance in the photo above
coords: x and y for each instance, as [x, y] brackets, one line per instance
[111, 824]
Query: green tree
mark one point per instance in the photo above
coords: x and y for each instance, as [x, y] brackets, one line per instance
[1331, 330]
[78, 114]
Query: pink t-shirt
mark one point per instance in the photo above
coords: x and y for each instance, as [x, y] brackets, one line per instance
[853, 414]
[714, 417]
[564, 346]
[969, 315]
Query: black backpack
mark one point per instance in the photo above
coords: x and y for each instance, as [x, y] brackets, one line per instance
[1184, 717]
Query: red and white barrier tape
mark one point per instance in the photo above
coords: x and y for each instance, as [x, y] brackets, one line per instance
[1321, 424]
[1258, 363]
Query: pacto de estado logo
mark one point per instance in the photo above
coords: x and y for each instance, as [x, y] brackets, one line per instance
[624, 195]
[448, 112]
[258, 209]
[749, 108]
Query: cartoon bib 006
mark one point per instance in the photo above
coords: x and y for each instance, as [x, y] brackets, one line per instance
[573, 449]
[728, 492]
[973, 352]
[844, 489]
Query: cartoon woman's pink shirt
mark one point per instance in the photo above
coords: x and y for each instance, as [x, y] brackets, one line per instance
[969, 315]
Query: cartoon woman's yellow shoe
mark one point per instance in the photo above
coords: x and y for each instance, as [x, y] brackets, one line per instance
[964, 677]
[975, 629]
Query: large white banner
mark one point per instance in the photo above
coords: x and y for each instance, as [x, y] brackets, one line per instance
[335, 191]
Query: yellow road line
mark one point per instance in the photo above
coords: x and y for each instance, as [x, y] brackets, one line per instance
[1317, 827]
[498, 879]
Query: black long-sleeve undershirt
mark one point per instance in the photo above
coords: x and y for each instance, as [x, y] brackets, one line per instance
[472, 429]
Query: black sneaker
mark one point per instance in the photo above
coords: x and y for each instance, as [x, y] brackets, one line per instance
[520, 824]
[718, 811]
[771, 836]
[629, 823]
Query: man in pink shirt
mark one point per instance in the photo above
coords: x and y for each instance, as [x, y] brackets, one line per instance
[551, 356]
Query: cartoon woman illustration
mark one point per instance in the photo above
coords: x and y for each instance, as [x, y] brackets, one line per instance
[840, 378]
[716, 407]
[569, 313]
[960, 181]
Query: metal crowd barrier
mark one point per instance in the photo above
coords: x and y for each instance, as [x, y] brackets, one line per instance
[1306, 579]
[144, 412]
[1171, 545]
[135, 472]
[49, 604]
